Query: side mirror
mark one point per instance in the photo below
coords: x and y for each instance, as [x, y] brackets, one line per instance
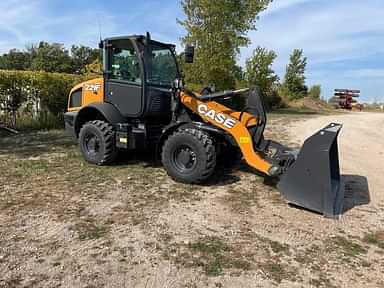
[189, 53]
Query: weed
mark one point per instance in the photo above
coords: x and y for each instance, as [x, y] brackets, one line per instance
[376, 238]
[88, 230]
[278, 271]
[349, 248]
[211, 252]
[276, 247]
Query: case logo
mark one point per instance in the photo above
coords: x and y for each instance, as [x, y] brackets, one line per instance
[216, 116]
[92, 87]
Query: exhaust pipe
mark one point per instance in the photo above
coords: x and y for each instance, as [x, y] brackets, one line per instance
[313, 180]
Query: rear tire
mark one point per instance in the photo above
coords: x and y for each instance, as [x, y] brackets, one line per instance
[189, 156]
[97, 142]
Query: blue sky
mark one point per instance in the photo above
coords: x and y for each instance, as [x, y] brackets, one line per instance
[343, 39]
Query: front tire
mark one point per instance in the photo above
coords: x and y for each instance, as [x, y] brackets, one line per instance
[97, 142]
[189, 156]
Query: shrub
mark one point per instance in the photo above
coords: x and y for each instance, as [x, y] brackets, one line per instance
[20, 91]
[315, 92]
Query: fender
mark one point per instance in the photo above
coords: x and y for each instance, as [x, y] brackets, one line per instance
[96, 110]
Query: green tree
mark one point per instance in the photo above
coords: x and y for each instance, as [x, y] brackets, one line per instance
[294, 81]
[13, 94]
[315, 92]
[50, 58]
[259, 73]
[15, 60]
[93, 70]
[83, 56]
[218, 29]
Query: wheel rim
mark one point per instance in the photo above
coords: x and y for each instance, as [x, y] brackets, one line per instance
[92, 144]
[184, 159]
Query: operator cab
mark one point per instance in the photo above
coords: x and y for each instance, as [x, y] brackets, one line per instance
[139, 74]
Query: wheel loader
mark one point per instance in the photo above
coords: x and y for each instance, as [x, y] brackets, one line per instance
[141, 102]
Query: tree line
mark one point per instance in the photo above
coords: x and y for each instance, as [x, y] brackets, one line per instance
[217, 30]
[54, 58]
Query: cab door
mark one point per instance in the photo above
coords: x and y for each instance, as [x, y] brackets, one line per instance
[124, 80]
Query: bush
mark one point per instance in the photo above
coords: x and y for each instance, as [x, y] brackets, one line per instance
[315, 92]
[21, 90]
[44, 121]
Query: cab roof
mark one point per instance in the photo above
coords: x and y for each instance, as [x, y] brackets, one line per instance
[136, 38]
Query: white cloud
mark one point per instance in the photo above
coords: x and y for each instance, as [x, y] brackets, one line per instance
[332, 34]
[365, 73]
[278, 5]
[27, 22]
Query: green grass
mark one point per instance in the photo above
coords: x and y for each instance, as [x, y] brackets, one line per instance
[211, 252]
[278, 271]
[347, 247]
[294, 111]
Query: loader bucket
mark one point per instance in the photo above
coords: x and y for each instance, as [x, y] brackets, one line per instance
[313, 180]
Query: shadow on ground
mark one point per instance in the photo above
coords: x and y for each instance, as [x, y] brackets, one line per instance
[149, 158]
[356, 191]
[34, 143]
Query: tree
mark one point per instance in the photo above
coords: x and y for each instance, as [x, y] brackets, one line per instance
[315, 92]
[294, 81]
[218, 29]
[93, 70]
[13, 93]
[15, 60]
[82, 56]
[259, 73]
[50, 58]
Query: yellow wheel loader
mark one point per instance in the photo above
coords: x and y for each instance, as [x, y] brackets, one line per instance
[141, 102]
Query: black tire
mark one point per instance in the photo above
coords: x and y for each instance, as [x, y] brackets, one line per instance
[189, 156]
[97, 142]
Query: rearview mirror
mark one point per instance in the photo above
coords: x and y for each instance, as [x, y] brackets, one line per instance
[189, 53]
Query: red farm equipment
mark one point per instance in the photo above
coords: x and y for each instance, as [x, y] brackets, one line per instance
[345, 99]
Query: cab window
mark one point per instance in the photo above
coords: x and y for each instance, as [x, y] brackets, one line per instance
[125, 64]
[162, 68]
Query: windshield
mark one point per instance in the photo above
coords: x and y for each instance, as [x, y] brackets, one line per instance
[162, 68]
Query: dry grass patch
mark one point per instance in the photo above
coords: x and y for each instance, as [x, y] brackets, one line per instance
[375, 238]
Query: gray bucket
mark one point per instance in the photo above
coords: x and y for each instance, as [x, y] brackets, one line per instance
[313, 181]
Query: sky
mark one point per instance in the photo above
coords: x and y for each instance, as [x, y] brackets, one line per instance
[343, 39]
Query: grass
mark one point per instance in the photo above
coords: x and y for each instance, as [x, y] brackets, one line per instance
[279, 271]
[347, 247]
[43, 173]
[295, 112]
[217, 256]
[275, 246]
[241, 199]
[89, 230]
[375, 238]
[211, 255]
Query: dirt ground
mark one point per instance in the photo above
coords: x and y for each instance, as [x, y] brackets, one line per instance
[64, 223]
